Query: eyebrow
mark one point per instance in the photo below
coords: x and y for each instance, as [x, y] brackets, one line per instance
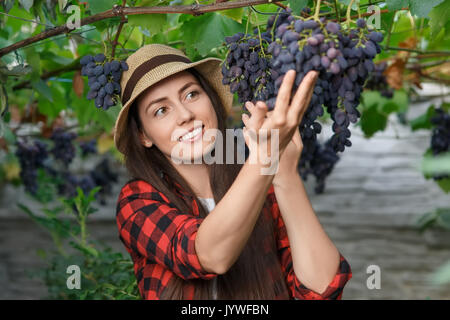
[187, 85]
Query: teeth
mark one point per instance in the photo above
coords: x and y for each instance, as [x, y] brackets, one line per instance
[191, 134]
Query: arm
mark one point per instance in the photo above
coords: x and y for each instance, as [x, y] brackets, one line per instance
[151, 229]
[224, 232]
[305, 249]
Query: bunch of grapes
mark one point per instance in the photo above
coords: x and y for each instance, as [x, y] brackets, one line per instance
[104, 176]
[342, 56]
[440, 138]
[63, 148]
[31, 158]
[377, 81]
[88, 147]
[320, 163]
[71, 182]
[103, 79]
[246, 70]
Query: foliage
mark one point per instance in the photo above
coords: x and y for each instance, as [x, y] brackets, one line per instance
[105, 274]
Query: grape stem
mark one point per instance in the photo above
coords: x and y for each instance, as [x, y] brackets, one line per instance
[349, 9]
[316, 12]
[337, 10]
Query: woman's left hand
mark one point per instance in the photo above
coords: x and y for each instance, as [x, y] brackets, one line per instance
[287, 167]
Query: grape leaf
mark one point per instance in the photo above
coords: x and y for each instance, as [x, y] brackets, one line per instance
[297, 5]
[439, 17]
[154, 23]
[421, 8]
[235, 14]
[26, 4]
[43, 89]
[372, 121]
[97, 6]
[423, 121]
[208, 31]
[397, 4]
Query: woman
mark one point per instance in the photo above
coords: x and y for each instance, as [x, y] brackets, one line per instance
[216, 231]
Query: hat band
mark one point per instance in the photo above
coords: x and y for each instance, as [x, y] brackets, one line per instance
[146, 67]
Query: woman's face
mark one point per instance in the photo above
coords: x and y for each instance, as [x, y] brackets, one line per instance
[171, 108]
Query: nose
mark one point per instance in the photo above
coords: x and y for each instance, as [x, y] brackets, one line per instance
[184, 114]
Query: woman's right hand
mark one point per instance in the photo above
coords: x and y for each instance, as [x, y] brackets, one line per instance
[285, 117]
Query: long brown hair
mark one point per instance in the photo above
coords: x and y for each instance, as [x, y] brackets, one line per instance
[248, 278]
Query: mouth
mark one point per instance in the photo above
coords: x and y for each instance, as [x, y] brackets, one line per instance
[192, 136]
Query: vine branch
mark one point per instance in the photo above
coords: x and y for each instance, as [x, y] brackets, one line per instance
[195, 9]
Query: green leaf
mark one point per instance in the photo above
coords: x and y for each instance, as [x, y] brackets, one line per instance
[372, 120]
[444, 217]
[26, 4]
[439, 17]
[398, 103]
[444, 184]
[421, 8]
[347, 2]
[3, 101]
[235, 14]
[436, 164]
[43, 89]
[208, 31]
[97, 6]
[154, 23]
[397, 4]
[423, 121]
[297, 5]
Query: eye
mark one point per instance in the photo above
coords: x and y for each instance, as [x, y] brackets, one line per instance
[193, 92]
[156, 112]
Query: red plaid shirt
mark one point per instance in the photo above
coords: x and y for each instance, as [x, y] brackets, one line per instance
[160, 240]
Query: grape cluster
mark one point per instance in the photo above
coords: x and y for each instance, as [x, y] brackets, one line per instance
[34, 155]
[246, 69]
[103, 79]
[63, 148]
[343, 56]
[440, 137]
[319, 161]
[377, 81]
[88, 147]
[31, 157]
[71, 182]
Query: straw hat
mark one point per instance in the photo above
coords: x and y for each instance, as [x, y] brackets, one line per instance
[154, 62]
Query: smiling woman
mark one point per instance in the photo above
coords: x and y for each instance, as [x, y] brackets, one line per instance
[177, 246]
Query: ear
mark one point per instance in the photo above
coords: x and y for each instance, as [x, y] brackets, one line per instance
[146, 142]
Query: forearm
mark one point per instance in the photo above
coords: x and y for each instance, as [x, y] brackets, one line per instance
[315, 257]
[224, 232]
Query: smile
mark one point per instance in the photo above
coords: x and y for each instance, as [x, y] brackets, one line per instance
[192, 136]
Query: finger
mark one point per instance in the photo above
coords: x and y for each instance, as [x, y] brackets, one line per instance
[258, 114]
[249, 106]
[245, 119]
[284, 95]
[300, 100]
